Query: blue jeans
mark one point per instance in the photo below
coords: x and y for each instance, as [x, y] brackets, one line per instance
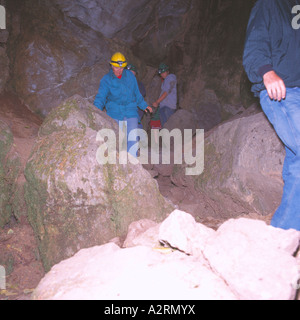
[131, 124]
[165, 114]
[285, 117]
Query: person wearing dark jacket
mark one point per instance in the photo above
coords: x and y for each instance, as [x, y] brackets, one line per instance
[272, 62]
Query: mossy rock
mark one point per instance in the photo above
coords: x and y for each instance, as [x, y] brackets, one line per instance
[10, 166]
[73, 201]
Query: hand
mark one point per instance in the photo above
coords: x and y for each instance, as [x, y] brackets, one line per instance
[149, 109]
[155, 104]
[274, 85]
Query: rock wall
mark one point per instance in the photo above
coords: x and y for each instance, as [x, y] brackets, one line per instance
[60, 48]
[4, 61]
[53, 58]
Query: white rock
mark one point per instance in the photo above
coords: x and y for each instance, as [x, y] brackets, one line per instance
[181, 231]
[255, 259]
[139, 273]
[142, 232]
[243, 259]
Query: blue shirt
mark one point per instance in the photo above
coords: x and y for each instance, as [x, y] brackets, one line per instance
[169, 86]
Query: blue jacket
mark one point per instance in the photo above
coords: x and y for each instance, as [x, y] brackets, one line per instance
[272, 43]
[120, 97]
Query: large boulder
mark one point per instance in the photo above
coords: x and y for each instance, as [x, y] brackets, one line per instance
[243, 259]
[74, 201]
[182, 119]
[254, 259]
[243, 161]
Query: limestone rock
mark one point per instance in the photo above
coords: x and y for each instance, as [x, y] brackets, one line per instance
[138, 273]
[143, 232]
[243, 160]
[255, 260]
[165, 169]
[208, 115]
[182, 119]
[73, 201]
[181, 231]
[243, 259]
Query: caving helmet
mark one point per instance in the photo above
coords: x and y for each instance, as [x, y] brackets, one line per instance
[163, 68]
[131, 67]
[118, 60]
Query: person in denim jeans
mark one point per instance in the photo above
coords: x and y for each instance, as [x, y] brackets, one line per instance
[119, 94]
[167, 101]
[142, 89]
[272, 62]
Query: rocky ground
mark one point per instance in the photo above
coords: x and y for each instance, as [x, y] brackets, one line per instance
[244, 259]
[18, 249]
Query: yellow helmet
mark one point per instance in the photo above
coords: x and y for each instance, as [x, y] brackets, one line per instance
[118, 60]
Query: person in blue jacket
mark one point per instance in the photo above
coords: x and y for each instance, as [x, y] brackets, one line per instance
[120, 95]
[272, 62]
